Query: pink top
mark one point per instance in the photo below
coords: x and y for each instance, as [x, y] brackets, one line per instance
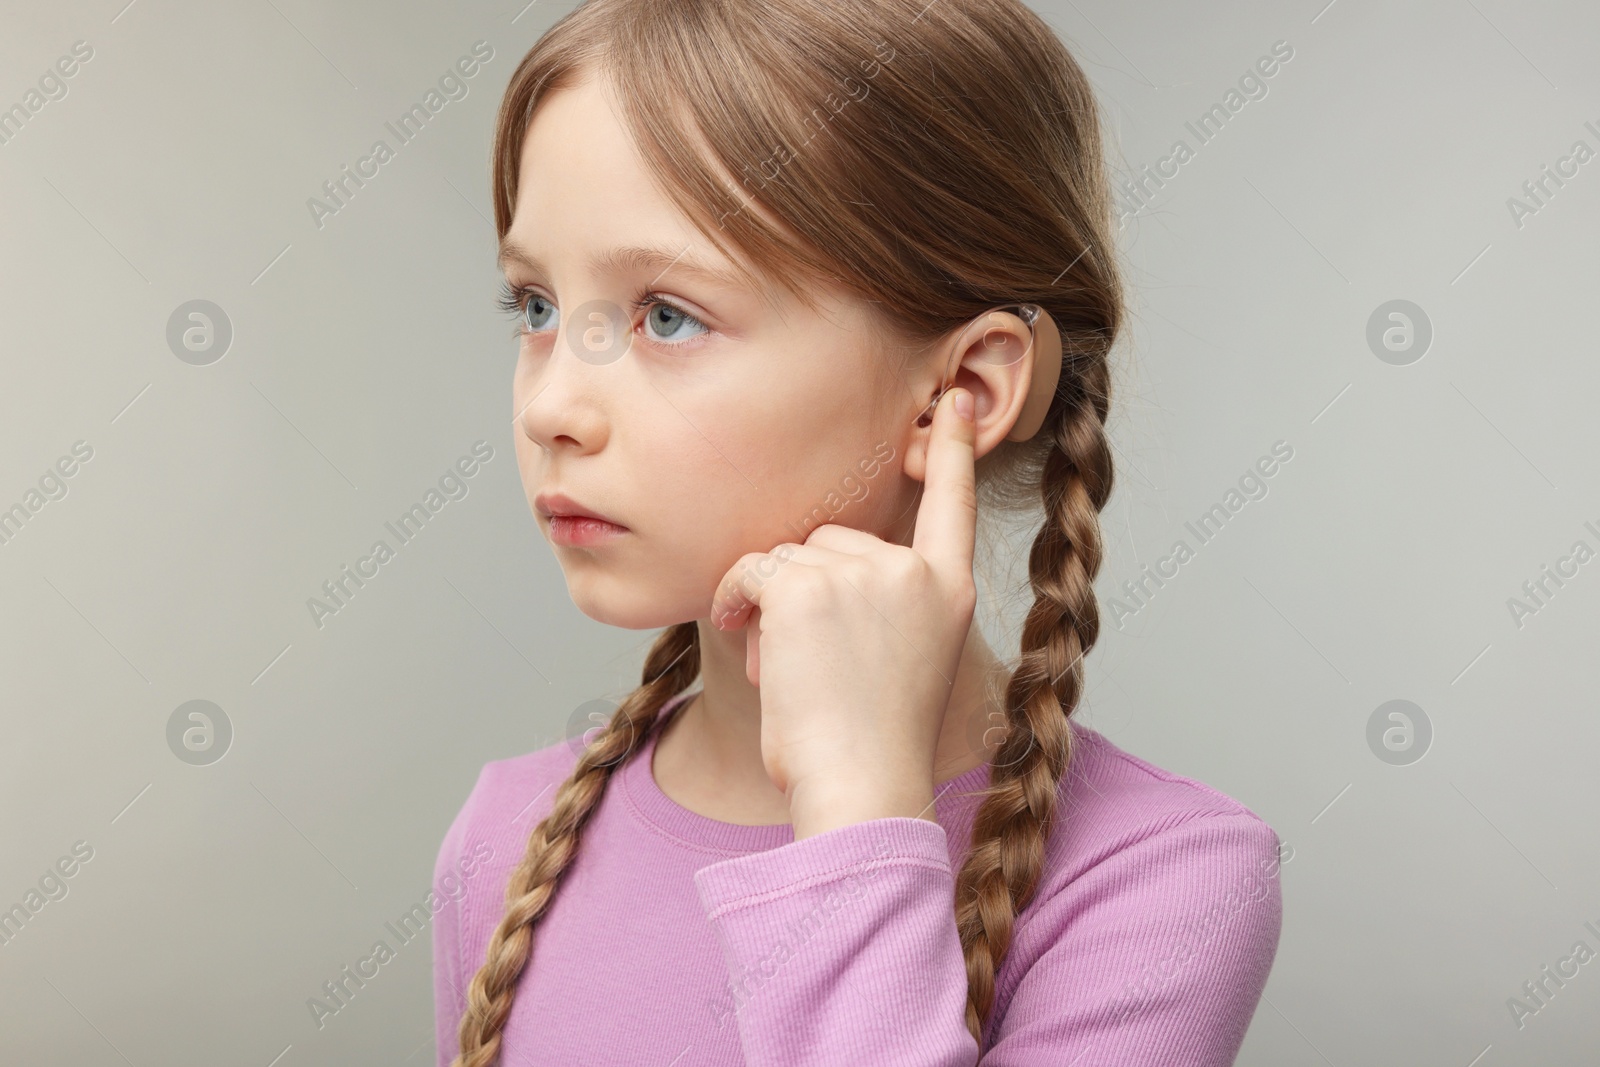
[680, 941]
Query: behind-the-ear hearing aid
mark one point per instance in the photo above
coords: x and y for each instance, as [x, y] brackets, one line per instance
[1045, 349]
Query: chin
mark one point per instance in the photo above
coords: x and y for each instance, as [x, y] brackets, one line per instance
[632, 604]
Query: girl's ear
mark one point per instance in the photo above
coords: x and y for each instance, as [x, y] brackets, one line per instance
[992, 358]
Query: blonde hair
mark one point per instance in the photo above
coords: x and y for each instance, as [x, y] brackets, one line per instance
[936, 160]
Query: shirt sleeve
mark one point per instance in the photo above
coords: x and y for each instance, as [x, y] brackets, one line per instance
[842, 948]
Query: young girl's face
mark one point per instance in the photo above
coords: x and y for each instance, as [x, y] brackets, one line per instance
[716, 419]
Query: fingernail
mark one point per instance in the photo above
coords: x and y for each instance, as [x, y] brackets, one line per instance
[963, 403]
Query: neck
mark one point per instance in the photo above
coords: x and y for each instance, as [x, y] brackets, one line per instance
[711, 750]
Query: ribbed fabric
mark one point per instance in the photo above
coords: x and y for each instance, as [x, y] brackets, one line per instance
[681, 941]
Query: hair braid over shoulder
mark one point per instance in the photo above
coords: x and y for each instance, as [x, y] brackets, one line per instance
[670, 668]
[1014, 820]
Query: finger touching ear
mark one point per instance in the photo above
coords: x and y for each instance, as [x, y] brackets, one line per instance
[990, 357]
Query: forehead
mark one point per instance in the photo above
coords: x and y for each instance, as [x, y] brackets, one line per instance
[578, 152]
[585, 194]
[583, 184]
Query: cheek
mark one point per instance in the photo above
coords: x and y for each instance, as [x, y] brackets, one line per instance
[706, 479]
[715, 488]
[796, 474]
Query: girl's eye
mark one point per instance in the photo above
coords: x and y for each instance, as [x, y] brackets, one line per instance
[533, 312]
[540, 314]
[667, 317]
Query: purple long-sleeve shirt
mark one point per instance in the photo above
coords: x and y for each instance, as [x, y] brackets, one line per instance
[681, 941]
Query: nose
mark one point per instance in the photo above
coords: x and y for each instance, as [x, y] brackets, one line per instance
[563, 385]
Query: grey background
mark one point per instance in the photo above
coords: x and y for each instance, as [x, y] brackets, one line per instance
[367, 357]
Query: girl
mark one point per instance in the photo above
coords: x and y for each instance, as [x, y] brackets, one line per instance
[803, 287]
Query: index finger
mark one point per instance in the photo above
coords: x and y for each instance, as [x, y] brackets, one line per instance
[947, 517]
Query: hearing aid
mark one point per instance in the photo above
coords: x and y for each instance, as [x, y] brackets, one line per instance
[1044, 347]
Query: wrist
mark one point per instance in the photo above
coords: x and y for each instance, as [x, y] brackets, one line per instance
[819, 805]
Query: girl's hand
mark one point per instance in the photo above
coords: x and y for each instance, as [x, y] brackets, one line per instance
[855, 644]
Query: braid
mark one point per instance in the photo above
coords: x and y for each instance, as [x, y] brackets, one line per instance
[673, 663]
[1014, 820]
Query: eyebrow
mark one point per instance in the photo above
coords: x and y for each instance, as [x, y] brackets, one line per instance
[630, 258]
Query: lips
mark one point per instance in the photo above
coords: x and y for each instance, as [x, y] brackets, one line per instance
[574, 526]
[559, 505]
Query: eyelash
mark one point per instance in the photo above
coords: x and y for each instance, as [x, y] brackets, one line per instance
[514, 302]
